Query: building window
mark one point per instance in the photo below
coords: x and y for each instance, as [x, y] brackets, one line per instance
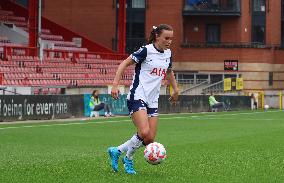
[213, 32]
[259, 5]
[138, 3]
[259, 34]
[258, 21]
[135, 24]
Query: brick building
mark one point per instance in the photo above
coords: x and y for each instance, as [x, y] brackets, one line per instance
[207, 34]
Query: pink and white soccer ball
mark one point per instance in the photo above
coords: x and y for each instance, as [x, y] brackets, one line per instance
[155, 153]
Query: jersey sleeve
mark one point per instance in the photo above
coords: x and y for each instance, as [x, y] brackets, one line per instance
[170, 64]
[140, 55]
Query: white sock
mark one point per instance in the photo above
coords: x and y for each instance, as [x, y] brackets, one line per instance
[124, 147]
[134, 143]
[130, 146]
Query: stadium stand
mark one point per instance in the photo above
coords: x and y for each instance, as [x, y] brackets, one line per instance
[8, 17]
[66, 65]
[29, 71]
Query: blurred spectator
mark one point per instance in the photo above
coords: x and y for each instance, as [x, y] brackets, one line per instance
[254, 101]
[96, 105]
[214, 104]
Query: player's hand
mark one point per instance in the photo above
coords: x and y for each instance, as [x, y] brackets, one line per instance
[114, 92]
[174, 97]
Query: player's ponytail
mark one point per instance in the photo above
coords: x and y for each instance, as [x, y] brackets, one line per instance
[156, 31]
[152, 36]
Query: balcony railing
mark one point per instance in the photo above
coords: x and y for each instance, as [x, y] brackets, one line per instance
[212, 7]
[228, 45]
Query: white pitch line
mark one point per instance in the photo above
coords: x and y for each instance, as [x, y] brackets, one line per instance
[117, 121]
[243, 119]
[64, 124]
[235, 114]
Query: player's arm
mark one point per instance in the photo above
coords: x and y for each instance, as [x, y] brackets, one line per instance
[121, 68]
[173, 82]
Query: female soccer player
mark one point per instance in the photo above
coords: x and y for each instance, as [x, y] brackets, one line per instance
[153, 63]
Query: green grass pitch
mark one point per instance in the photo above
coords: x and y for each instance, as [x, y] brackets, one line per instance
[211, 147]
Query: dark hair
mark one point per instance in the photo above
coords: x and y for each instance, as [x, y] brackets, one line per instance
[158, 31]
[94, 93]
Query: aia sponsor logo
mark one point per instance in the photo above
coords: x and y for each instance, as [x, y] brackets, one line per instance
[159, 72]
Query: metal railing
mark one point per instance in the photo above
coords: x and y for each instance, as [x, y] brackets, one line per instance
[189, 44]
[185, 81]
[190, 81]
[212, 7]
[215, 88]
[49, 53]
[9, 51]
[196, 89]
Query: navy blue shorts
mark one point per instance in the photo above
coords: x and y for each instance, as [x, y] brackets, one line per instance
[136, 105]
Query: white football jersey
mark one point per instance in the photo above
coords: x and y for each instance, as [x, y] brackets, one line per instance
[151, 67]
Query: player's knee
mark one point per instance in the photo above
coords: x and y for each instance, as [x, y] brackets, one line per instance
[145, 133]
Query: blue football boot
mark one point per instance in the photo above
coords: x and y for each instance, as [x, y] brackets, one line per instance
[128, 165]
[114, 155]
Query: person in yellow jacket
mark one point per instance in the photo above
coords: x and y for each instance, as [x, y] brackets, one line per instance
[96, 105]
[215, 104]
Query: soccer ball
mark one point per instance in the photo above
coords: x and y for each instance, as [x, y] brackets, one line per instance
[155, 153]
[266, 107]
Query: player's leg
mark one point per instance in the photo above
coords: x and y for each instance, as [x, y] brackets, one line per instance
[153, 125]
[134, 107]
[140, 120]
[138, 112]
[123, 148]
